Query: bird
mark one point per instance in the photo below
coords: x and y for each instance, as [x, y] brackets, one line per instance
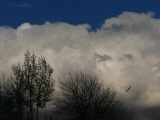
[128, 88]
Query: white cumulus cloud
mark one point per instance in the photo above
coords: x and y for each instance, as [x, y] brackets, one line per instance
[124, 51]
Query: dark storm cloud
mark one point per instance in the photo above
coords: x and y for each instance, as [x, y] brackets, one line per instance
[102, 58]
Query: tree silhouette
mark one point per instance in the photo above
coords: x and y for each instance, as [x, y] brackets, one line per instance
[33, 84]
[18, 83]
[43, 84]
[84, 97]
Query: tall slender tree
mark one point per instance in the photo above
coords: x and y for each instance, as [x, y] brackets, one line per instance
[29, 69]
[43, 84]
[33, 83]
[19, 89]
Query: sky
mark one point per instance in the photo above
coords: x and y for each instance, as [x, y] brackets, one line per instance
[117, 39]
[94, 12]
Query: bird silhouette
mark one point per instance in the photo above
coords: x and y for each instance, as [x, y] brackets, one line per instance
[128, 88]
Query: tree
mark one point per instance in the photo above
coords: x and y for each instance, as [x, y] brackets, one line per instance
[33, 84]
[7, 99]
[1, 99]
[18, 83]
[30, 75]
[83, 96]
[43, 83]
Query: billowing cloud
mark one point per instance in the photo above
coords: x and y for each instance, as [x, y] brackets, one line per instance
[127, 44]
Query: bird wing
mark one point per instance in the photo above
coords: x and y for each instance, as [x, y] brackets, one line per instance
[128, 88]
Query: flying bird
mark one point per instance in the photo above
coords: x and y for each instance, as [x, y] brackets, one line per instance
[128, 88]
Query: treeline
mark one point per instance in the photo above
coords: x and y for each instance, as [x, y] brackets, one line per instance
[81, 95]
[29, 87]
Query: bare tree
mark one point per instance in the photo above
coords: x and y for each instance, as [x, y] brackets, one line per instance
[83, 96]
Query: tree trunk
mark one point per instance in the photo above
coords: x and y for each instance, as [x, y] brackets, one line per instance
[37, 112]
[31, 111]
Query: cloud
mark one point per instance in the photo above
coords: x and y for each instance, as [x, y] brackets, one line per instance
[128, 56]
[102, 58]
[134, 37]
[21, 5]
